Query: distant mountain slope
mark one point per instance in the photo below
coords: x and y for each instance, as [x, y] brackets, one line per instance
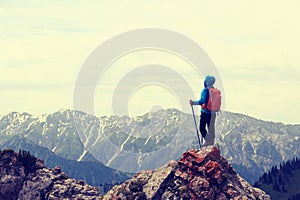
[138, 143]
[92, 172]
[282, 182]
[56, 132]
[254, 146]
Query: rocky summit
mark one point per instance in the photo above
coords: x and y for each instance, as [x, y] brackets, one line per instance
[203, 174]
[198, 174]
[24, 177]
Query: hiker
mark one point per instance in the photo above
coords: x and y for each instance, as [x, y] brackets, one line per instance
[209, 108]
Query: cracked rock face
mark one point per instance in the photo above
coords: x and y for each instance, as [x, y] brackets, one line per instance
[19, 180]
[203, 174]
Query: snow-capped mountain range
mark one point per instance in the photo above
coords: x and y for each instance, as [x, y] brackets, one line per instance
[149, 141]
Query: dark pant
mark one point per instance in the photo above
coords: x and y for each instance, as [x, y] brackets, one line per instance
[207, 125]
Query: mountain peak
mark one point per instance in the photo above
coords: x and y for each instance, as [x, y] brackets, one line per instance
[199, 174]
[16, 116]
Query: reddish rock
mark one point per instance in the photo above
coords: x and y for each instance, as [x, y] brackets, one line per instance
[201, 174]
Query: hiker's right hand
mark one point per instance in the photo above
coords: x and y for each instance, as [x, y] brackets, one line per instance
[191, 102]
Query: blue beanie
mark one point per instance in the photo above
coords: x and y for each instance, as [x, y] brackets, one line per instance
[209, 81]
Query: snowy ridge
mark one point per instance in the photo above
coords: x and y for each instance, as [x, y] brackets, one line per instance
[251, 144]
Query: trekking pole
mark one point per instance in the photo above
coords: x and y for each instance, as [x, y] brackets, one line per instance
[196, 126]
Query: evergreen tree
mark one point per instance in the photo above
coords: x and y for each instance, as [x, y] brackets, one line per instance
[279, 177]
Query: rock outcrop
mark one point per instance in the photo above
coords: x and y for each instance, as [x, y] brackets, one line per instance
[23, 177]
[203, 174]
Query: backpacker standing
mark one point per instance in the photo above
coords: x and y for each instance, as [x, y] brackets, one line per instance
[210, 102]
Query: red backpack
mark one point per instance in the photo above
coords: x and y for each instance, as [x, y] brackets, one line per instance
[214, 101]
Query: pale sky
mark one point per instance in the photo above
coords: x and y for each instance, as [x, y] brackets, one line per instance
[253, 44]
